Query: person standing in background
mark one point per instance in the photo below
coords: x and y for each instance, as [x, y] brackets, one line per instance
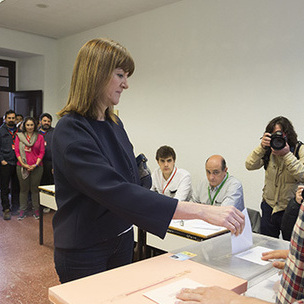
[8, 177]
[19, 120]
[282, 157]
[168, 179]
[46, 130]
[29, 150]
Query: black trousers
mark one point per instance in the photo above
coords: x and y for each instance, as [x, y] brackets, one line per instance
[9, 183]
[47, 176]
[72, 264]
[270, 223]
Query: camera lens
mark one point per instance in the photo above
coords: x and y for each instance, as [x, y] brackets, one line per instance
[278, 141]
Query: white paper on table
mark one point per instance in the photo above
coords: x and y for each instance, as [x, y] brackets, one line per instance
[244, 240]
[196, 226]
[166, 294]
[254, 255]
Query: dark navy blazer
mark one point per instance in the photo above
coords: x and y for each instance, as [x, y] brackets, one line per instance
[97, 185]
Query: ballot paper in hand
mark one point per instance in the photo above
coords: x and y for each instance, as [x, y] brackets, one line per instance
[244, 240]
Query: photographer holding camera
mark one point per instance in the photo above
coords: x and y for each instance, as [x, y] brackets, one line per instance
[282, 157]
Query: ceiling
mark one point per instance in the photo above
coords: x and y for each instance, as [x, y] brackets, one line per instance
[61, 18]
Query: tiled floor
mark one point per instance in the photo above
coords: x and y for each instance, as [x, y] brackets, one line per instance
[26, 268]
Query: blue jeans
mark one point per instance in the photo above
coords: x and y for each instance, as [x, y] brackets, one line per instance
[72, 264]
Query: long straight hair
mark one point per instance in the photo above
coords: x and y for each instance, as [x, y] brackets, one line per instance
[93, 69]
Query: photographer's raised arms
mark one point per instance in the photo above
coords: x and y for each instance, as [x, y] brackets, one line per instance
[282, 156]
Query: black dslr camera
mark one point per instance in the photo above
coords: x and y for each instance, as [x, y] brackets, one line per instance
[278, 140]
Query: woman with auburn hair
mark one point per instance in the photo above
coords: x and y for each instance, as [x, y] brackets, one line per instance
[97, 184]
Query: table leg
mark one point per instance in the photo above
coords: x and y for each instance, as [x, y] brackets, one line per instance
[40, 224]
[142, 244]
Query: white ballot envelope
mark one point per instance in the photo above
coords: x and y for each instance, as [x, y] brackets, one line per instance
[244, 240]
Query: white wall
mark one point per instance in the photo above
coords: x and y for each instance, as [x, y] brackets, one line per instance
[209, 76]
[31, 73]
[37, 63]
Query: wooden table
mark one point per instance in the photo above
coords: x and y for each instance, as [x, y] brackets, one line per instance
[127, 284]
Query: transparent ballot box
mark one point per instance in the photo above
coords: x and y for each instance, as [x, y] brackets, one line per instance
[216, 253]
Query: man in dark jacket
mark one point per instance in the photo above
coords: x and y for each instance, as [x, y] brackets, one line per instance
[46, 129]
[8, 176]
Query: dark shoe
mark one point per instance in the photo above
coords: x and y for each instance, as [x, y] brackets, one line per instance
[6, 214]
[15, 209]
[15, 212]
[22, 215]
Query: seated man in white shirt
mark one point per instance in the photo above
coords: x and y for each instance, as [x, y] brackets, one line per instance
[168, 179]
[219, 189]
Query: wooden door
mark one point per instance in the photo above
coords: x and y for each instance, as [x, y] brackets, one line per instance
[27, 103]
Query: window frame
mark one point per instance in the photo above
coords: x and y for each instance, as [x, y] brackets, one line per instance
[11, 65]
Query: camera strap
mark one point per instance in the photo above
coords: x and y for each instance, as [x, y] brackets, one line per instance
[299, 144]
